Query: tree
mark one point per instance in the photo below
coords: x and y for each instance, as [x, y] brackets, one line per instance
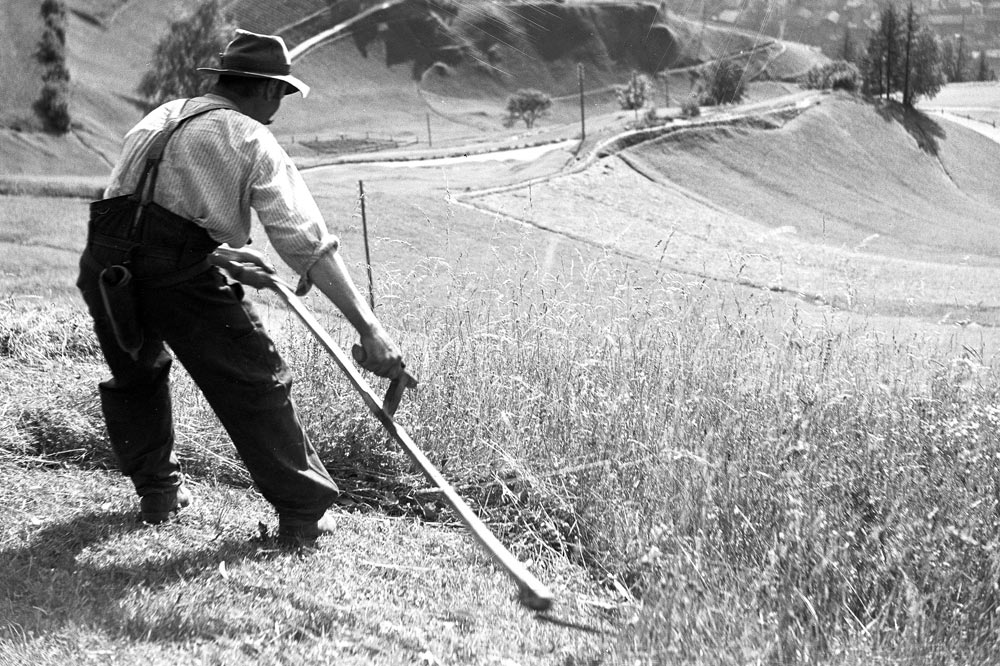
[961, 64]
[193, 41]
[52, 105]
[904, 56]
[836, 75]
[881, 56]
[527, 105]
[911, 30]
[954, 59]
[724, 82]
[926, 74]
[947, 50]
[983, 70]
[847, 48]
[633, 95]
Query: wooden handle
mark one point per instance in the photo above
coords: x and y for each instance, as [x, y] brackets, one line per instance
[532, 592]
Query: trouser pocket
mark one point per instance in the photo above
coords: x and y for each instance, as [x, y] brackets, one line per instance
[118, 294]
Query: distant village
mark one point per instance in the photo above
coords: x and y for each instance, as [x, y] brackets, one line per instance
[827, 23]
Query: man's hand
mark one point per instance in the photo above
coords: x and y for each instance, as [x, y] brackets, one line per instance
[248, 266]
[378, 354]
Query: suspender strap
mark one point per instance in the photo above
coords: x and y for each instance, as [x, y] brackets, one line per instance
[192, 107]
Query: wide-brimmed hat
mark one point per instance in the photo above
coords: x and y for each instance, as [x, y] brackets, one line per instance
[258, 56]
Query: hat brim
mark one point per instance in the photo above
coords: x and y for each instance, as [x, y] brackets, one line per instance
[293, 81]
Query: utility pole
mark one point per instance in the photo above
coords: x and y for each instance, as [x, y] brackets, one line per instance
[583, 124]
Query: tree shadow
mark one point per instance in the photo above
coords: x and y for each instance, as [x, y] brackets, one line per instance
[926, 131]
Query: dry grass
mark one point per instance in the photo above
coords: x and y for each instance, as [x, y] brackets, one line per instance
[771, 490]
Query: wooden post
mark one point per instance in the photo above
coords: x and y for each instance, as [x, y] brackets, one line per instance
[430, 144]
[583, 124]
[368, 256]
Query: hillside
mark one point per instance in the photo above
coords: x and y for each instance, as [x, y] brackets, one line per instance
[386, 76]
[727, 384]
[838, 202]
[845, 171]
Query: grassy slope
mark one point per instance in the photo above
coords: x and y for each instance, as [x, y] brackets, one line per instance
[839, 205]
[845, 171]
[181, 610]
[20, 30]
[209, 588]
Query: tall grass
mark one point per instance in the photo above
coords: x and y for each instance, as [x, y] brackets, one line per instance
[759, 484]
[772, 489]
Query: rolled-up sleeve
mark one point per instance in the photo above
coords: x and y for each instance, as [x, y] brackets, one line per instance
[287, 210]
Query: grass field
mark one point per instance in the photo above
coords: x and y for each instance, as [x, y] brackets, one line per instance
[707, 468]
[732, 392]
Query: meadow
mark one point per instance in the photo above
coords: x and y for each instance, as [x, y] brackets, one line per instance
[706, 471]
[731, 391]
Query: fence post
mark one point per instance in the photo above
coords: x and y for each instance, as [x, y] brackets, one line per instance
[368, 256]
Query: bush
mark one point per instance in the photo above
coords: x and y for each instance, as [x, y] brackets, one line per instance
[634, 94]
[725, 81]
[193, 41]
[527, 105]
[53, 106]
[837, 75]
[51, 50]
[690, 107]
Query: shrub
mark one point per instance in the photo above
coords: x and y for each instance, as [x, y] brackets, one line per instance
[527, 105]
[725, 83]
[634, 94]
[690, 107]
[51, 50]
[53, 106]
[837, 75]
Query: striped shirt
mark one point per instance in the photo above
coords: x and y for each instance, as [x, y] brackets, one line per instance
[216, 168]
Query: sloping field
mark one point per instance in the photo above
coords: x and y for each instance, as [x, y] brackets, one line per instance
[20, 29]
[846, 173]
[839, 206]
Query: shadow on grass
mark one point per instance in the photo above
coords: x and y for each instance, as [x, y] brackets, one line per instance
[47, 583]
[926, 131]
[110, 573]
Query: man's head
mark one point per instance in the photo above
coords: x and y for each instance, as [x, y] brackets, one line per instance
[256, 70]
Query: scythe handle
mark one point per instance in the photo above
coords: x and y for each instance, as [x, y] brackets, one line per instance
[532, 592]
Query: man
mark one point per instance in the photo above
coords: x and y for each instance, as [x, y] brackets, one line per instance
[219, 162]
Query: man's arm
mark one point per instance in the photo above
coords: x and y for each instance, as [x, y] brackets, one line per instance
[330, 276]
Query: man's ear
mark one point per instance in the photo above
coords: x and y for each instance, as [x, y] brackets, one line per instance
[274, 89]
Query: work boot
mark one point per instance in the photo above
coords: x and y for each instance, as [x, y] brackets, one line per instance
[156, 509]
[293, 534]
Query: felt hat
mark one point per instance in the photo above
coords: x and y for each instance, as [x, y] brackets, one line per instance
[258, 56]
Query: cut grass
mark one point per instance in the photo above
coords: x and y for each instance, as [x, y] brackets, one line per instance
[84, 583]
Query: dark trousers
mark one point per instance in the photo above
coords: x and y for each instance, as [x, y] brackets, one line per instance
[219, 339]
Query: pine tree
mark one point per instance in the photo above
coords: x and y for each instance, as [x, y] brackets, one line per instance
[847, 48]
[903, 56]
